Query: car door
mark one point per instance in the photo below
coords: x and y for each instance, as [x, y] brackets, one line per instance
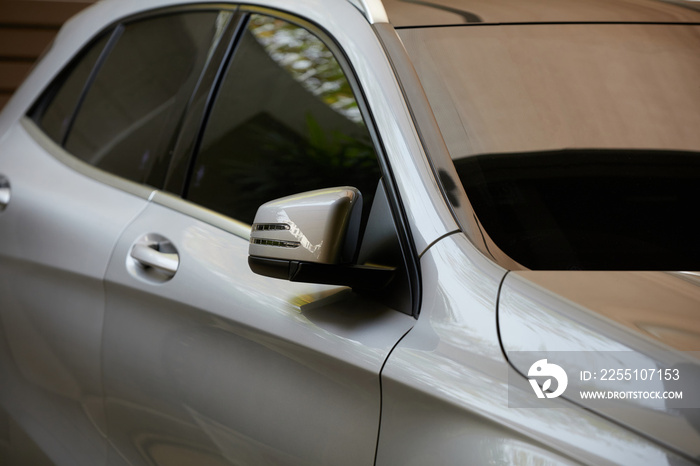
[57, 233]
[75, 172]
[208, 363]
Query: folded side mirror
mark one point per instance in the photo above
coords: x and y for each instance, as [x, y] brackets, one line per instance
[313, 237]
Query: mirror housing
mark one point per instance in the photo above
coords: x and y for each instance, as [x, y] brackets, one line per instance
[317, 226]
[313, 237]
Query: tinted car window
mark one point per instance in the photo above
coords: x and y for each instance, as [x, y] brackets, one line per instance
[589, 209]
[575, 154]
[285, 121]
[131, 111]
[54, 110]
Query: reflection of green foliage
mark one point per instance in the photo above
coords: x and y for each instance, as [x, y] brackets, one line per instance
[337, 150]
[269, 156]
[322, 159]
[308, 60]
[274, 161]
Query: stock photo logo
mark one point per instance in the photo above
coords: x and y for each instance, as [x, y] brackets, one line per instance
[543, 370]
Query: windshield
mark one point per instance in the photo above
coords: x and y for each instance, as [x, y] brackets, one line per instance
[576, 144]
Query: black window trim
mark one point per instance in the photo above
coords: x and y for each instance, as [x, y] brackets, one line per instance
[186, 141]
[104, 54]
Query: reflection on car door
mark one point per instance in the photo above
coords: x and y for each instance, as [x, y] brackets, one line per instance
[222, 366]
[56, 242]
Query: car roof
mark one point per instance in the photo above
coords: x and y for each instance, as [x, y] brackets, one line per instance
[402, 13]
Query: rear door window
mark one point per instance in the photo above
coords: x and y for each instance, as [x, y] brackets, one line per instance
[120, 110]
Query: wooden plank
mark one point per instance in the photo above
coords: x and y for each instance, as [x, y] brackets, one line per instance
[12, 74]
[45, 14]
[21, 43]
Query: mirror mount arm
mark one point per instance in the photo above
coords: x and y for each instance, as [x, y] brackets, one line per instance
[358, 277]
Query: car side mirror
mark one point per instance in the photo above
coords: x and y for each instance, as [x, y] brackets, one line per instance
[313, 237]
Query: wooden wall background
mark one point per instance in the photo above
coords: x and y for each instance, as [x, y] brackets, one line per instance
[27, 27]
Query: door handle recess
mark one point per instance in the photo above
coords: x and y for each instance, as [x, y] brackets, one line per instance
[4, 192]
[150, 256]
[153, 259]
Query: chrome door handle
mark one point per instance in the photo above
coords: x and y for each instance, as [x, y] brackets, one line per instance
[149, 255]
[4, 192]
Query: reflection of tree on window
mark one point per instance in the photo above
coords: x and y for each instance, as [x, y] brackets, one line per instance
[308, 60]
[285, 121]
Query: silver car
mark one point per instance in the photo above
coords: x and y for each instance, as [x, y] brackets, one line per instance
[354, 232]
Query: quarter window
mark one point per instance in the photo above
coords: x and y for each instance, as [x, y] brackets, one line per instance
[55, 109]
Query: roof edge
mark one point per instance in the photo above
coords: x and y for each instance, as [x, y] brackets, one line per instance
[373, 10]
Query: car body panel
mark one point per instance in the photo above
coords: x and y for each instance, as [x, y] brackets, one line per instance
[447, 383]
[658, 305]
[576, 311]
[53, 256]
[301, 361]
